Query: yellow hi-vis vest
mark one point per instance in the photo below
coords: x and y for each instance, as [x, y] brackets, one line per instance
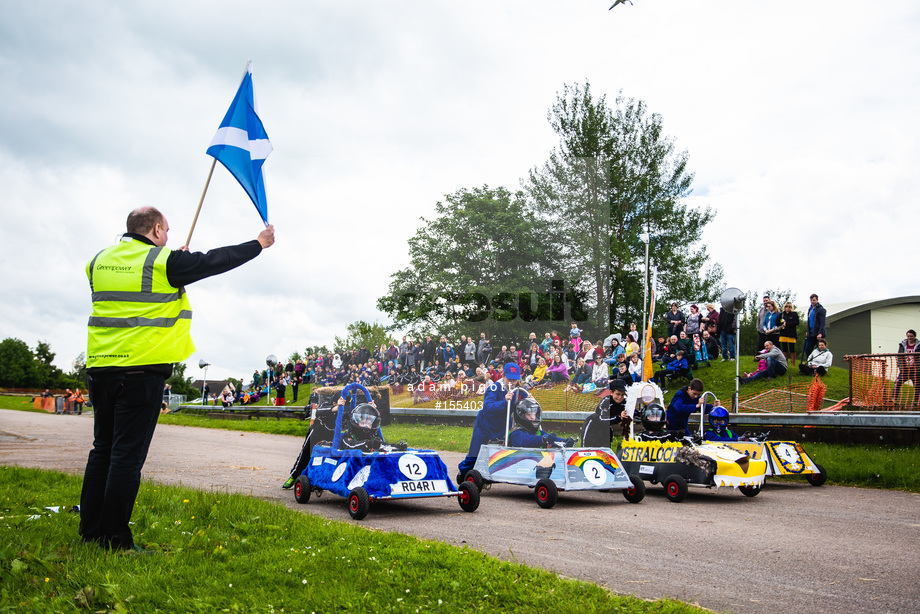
[138, 318]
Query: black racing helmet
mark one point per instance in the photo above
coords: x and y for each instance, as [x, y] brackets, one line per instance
[364, 422]
[653, 417]
[527, 415]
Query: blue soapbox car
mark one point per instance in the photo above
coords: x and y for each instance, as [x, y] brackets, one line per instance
[374, 472]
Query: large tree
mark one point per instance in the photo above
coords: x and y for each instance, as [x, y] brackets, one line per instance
[17, 364]
[363, 333]
[47, 373]
[483, 264]
[614, 176]
[21, 367]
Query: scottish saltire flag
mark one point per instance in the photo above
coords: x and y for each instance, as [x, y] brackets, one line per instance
[241, 144]
[648, 370]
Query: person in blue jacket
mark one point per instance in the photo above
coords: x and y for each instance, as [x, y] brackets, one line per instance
[686, 401]
[445, 352]
[527, 431]
[718, 426]
[491, 421]
[676, 368]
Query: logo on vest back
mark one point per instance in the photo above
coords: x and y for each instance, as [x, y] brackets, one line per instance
[115, 268]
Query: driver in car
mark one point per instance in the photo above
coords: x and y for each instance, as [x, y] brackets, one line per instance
[718, 423]
[363, 429]
[527, 431]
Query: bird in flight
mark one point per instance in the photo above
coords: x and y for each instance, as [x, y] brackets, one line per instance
[620, 2]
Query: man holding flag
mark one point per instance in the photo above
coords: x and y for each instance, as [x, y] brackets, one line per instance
[140, 326]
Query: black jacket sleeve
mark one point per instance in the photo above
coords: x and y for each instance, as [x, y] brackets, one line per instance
[183, 268]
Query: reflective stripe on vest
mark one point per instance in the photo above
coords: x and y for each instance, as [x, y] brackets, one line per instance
[138, 318]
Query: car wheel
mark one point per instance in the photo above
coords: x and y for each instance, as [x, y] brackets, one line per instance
[636, 492]
[475, 477]
[749, 491]
[675, 488]
[358, 503]
[468, 497]
[546, 493]
[817, 479]
[302, 489]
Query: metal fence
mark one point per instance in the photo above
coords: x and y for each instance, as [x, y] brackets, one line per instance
[173, 401]
[885, 382]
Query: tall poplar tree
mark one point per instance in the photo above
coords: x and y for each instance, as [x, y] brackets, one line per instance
[613, 176]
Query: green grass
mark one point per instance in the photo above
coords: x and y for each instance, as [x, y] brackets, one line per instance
[719, 378]
[18, 403]
[869, 466]
[216, 552]
[285, 426]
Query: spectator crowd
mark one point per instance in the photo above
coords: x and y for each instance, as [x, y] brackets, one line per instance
[425, 366]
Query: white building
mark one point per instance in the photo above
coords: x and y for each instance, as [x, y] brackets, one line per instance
[870, 328]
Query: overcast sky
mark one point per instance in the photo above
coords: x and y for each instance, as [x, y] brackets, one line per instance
[801, 121]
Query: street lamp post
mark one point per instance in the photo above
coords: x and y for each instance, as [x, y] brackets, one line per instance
[203, 364]
[732, 301]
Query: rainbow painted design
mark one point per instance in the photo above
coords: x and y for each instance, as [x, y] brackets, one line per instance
[582, 456]
[508, 458]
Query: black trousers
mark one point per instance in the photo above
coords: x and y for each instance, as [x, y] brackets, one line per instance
[806, 369]
[126, 407]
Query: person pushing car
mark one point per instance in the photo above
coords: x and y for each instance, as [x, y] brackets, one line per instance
[492, 420]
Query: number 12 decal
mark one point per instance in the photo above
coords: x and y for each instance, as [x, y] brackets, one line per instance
[413, 467]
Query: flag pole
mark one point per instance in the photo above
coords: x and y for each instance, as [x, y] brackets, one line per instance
[197, 211]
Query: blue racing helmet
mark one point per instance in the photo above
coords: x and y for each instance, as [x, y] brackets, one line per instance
[718, 417]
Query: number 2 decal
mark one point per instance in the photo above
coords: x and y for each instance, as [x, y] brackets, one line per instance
[594, 472]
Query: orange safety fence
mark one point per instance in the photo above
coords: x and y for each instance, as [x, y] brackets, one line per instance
[46, 403]
[791, 399]
[887, 382]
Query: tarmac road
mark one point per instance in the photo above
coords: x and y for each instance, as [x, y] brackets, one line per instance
[793, 548]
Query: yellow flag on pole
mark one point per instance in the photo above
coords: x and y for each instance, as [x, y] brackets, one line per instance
[648, 370]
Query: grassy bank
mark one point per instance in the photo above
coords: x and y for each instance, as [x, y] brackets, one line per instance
[719, 378]
[216, 552]
[868, 466]
[19, 403]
